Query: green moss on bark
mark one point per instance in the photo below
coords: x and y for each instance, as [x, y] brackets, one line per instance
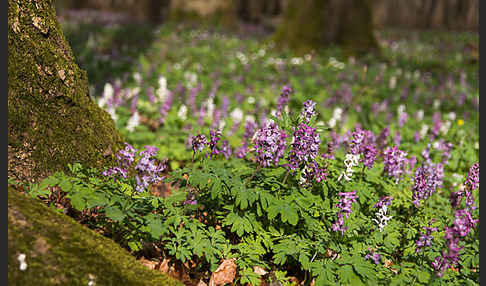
[59, 251]
[52, 121]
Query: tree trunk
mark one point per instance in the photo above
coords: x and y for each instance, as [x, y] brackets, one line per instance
[52, 121]
[311, 24]
[59, 251]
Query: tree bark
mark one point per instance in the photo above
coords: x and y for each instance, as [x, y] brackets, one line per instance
[52, 121]
[59, 251]
[311, 24]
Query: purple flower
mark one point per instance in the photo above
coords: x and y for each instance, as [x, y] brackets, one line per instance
[425, 239]
[164, 109]
[226, 149]
[374, 256]
[397, 139]
[198, 143]
[463, 223]
[150, 95]
[312, 172]
[284, 99]
[381, 140]
[394, 159]
[305, 146]
[440, 264]
[403, 117]
[345, 205]
[455, 199]
[472, 180]
[269, 144]
[384, 201]
[126, 156]
[133, 104]
[247, 135]
[214, 137]
[427, 179]
[308, 111]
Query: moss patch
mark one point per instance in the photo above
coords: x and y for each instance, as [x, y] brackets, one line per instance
[51, 119]
[59, 251]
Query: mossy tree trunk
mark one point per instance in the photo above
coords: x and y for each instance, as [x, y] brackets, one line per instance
[311, 24]
[59, 251]
[52, 121]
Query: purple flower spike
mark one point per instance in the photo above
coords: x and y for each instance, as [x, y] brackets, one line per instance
[269, 145]
[305, 146]
[308, 111]
[198, 143]
[345, 205]
[395, 160]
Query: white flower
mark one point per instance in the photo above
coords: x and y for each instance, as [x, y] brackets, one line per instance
[251, 100]
[296, 61]
[162, 92]
[182, 113]
[191, 79]
[350, 161]
[420, 115]
[393, 82]
[476, 145]
[108, 93]
[21, 259]
[261, 52]
[210, 105]
[221, 125]
[133, 121]
[444, 128]
[236, 115]
[111, 111]
[382, 220]
[451, 115]
[250, 118]
[436, 103]
[436, 145]
[138, 77]
[332, 122]
[424, 130]
[400, 109]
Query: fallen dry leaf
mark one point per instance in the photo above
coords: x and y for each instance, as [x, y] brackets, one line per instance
[202, 283]
[225, 273]
[388, 263]
[62, 74]
[258, 270]
[149, 263]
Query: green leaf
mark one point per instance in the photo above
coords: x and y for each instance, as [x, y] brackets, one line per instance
[114, 213]
[77, 201]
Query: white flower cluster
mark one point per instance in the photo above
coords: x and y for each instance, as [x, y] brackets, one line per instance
[182, 112]
[162, 92]
[191, 79]
[350, 162]
[133, 121]
[336, 64]
[336, 117]
[382, 220]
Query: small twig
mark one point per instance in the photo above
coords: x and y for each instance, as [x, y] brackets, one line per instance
[253, 175]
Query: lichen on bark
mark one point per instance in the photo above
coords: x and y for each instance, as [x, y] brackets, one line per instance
[52, 121]
[59, 251]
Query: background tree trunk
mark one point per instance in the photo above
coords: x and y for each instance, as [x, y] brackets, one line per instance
[52, 121]
[310, 24]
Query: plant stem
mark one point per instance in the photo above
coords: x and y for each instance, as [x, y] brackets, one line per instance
[285, 179]
[253, 175]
